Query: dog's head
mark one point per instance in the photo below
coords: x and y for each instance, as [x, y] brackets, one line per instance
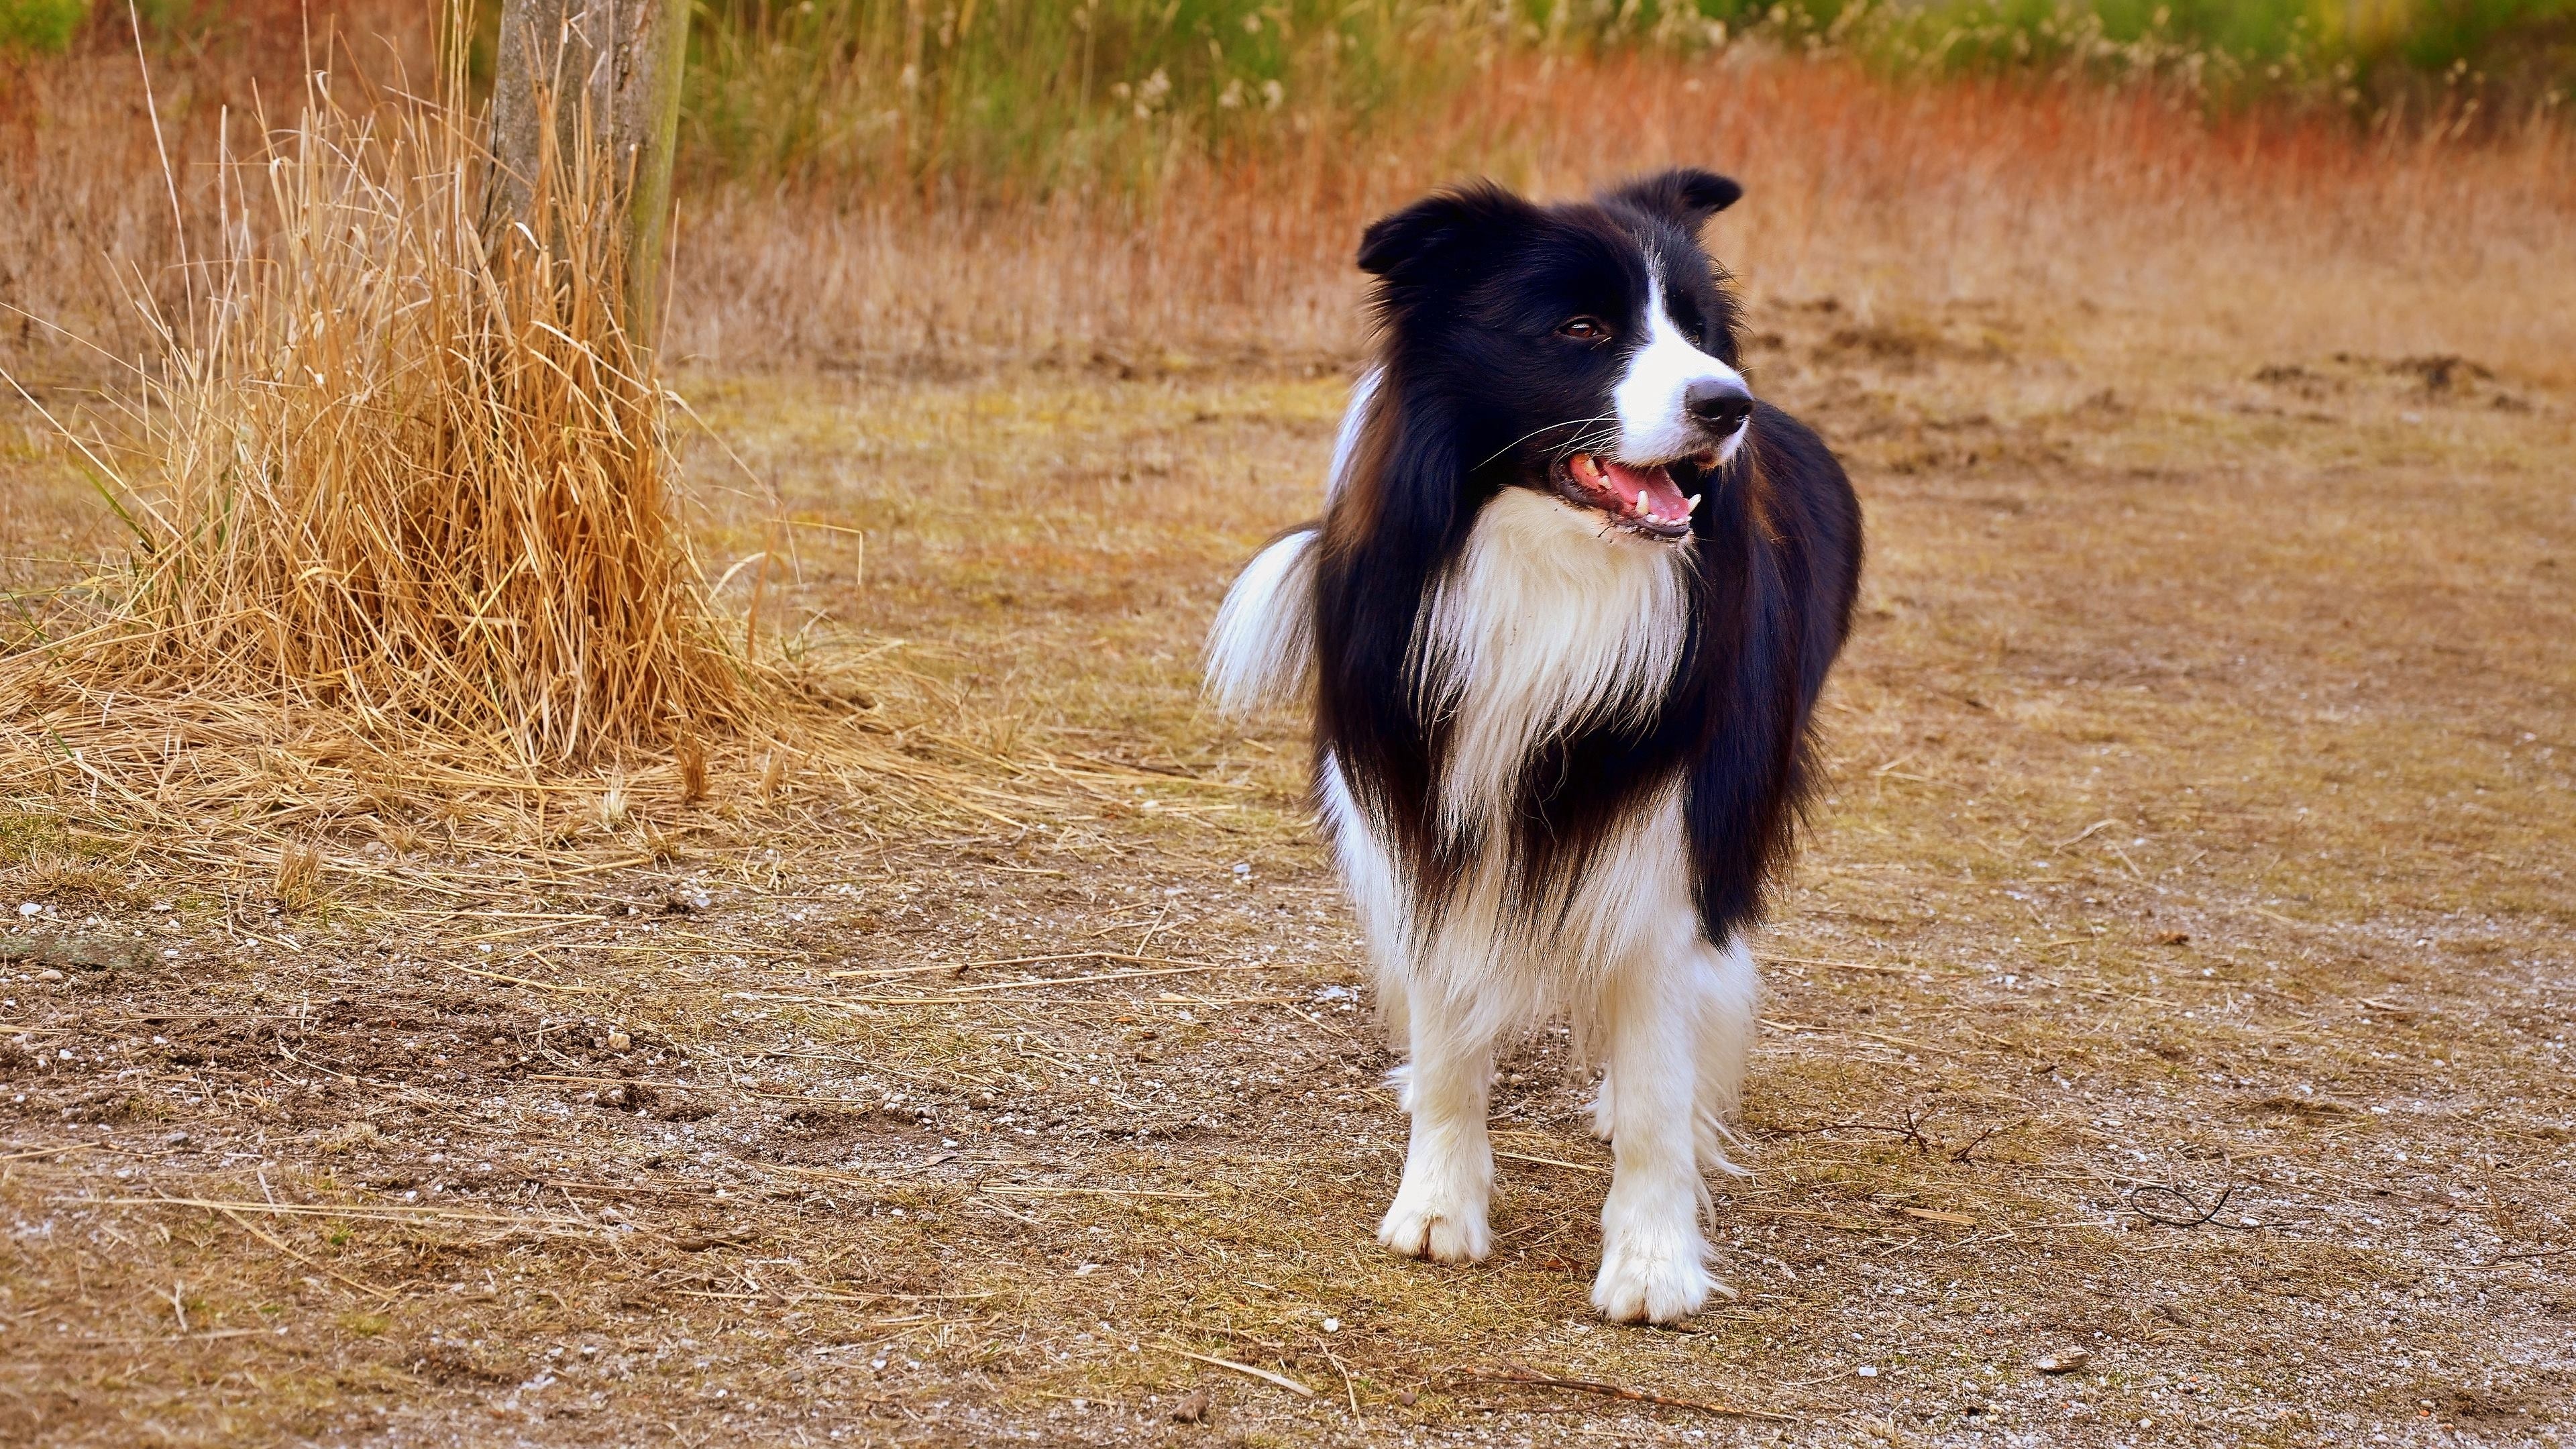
[1586, 350]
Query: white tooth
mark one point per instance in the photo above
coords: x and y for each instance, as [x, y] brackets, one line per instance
[1641, 500]
[1692, 506]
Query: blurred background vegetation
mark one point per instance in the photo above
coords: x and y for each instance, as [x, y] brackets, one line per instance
[1002, 177]
[1034, 95]
[1032, 87]
[40, 25]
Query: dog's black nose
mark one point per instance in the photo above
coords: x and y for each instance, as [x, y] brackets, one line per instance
[1720, 407]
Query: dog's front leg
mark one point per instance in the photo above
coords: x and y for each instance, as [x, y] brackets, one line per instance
[1439, 1210]
[1654, 1264]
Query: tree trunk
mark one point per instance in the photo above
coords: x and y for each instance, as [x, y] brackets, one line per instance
[609, 69]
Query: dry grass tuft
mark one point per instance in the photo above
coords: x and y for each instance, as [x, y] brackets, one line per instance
[70, 878]
[692, 761]
[395, 469]
[299, 877]
[398, 506]
[411, 473]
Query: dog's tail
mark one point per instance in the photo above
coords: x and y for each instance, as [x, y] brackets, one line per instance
[1261, 650]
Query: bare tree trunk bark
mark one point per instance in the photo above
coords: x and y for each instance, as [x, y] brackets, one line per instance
[609, 69]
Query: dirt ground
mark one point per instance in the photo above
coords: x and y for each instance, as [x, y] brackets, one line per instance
[2167, 1040]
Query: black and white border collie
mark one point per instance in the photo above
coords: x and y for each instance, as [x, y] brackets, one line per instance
[1562, 627]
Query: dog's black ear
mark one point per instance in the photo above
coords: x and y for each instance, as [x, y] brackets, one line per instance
[1438, 232]
[1684, 196]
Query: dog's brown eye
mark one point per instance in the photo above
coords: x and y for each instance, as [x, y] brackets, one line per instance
[1585, 329]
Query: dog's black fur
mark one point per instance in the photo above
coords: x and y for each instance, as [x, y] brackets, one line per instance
[1474, 285]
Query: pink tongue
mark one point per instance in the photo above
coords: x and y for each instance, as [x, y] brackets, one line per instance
[1657, 484]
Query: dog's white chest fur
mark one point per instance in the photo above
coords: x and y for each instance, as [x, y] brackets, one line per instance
[1543, 627]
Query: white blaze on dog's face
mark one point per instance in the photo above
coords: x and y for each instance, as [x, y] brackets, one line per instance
[1674, 400]
[1583, 351]
[1671, 412]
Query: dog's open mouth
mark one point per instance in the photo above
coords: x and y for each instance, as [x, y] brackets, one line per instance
[1643, 500]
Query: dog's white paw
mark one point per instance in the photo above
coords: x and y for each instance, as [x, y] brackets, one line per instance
[1444, 1227]
[1653, 1279]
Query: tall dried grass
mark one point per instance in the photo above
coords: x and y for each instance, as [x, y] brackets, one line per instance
[397, 491]
[421, 477]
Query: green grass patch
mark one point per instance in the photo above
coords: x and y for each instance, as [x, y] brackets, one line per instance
[39, 25]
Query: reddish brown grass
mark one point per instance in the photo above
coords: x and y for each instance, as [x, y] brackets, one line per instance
[2253, 232]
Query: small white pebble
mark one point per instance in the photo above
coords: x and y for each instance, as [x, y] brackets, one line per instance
[1332, 1325]
[1867, 1372]
[30, 908]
